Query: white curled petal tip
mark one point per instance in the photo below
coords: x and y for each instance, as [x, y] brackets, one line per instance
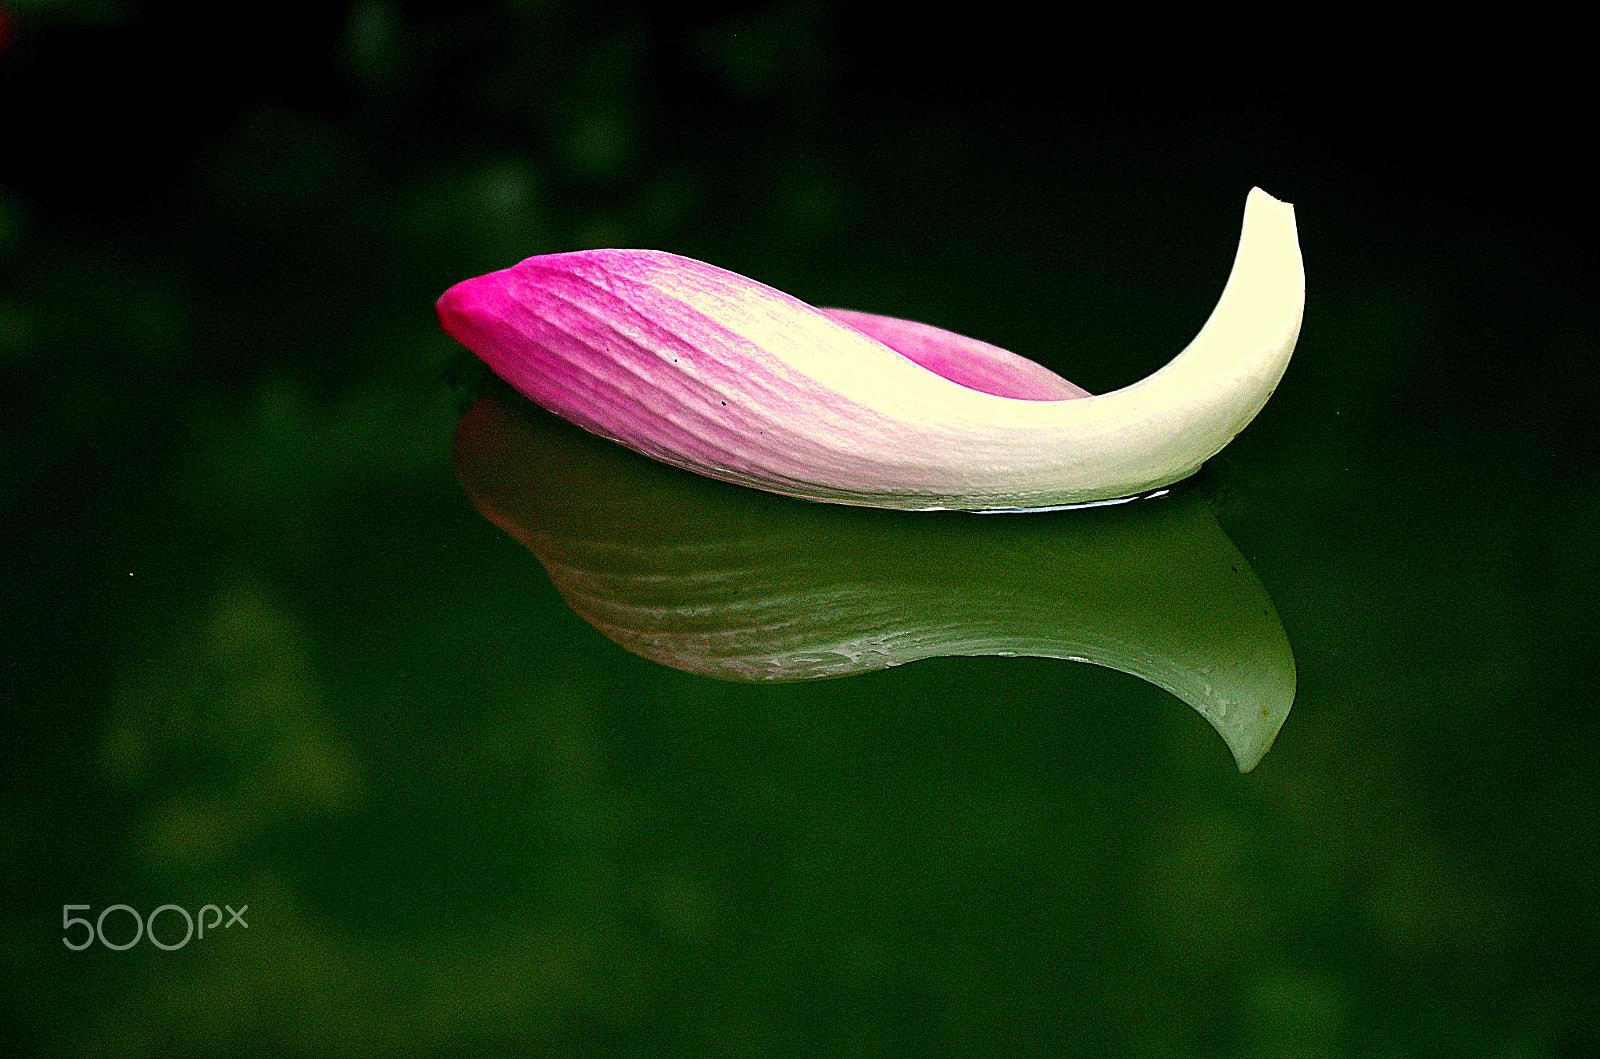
[708, 370]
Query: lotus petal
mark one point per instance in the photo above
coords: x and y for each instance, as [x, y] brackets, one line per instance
[708, 370]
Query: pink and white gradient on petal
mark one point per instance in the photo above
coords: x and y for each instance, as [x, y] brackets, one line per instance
[717, 373]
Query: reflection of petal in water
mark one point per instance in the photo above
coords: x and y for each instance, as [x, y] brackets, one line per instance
[742, 585]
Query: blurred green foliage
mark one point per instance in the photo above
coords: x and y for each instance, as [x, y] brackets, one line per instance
[263, 652]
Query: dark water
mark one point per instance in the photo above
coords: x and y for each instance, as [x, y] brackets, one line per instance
[263, 652]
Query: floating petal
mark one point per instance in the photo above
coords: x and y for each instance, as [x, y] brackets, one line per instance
[708, 370]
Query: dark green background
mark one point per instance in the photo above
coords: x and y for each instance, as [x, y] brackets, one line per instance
[259, 649]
